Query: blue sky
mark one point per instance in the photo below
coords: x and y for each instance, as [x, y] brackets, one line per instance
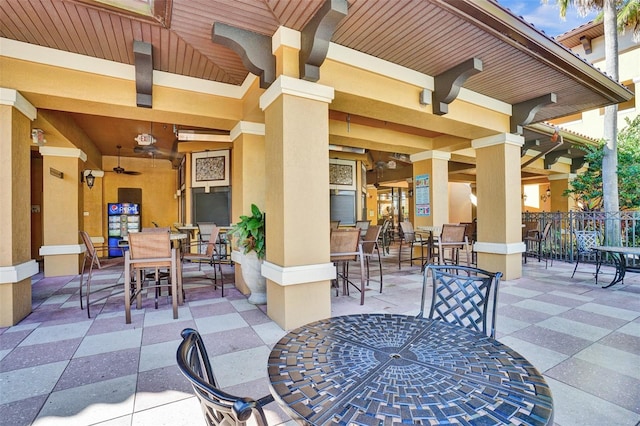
[546, 17]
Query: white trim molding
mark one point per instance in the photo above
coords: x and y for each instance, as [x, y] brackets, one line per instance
[62, 249]
[19, 102]
[499, 139]
[247, 128]
[285, 37]
[500, 248]
[17, 273]
[286, 85]
[430, 155]
[293, 275]
[55, 151]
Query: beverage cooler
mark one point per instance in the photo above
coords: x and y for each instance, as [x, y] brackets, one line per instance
[123, 218]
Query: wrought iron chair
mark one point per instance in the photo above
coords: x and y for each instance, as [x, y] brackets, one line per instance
[370, 247]
[345, 247]
[210, 256]
[412, 239]
[464, 296]
[586, 241]
[91, 255]
[386, 236]
[218, 407]
[535, 241]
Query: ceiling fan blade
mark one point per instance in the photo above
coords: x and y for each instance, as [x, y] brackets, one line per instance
[131, 172]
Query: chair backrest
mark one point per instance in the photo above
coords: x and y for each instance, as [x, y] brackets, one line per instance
[344, 244]
[211, 245]
[91, 250]
[463, 296]
[371, 239]
[335, 224]
[205, 229]
[363, 224]
[146, 245]
[586, 240]
[453, 233]
[218, 407]
[408, 234]
[470, 230]
[545, 231]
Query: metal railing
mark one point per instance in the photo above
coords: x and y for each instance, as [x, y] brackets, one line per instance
[561, 245]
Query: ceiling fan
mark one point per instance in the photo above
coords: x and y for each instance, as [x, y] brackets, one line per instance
[120, 170]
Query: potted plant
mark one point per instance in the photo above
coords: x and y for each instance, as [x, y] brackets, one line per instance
[249, 234]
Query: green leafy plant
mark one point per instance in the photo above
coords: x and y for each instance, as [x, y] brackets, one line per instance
[250, 232]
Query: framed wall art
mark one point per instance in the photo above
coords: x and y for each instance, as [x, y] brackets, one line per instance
[210, 168]
[342, 174]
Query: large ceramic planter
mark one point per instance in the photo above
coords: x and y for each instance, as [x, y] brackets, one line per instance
[253, 278]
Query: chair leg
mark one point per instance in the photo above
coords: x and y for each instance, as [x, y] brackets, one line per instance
[380, 265]
[576, 267]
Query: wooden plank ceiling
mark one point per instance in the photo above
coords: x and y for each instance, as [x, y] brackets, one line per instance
[429, 36]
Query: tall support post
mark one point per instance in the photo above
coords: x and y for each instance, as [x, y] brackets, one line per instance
[249, 169]
[16, 265]
[297, 265]
[435, 166]
[62, 210]
[499, 231]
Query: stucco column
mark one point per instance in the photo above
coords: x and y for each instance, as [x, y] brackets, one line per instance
[558, 184]
[62, 209]
[248, 178]
[499, 245]
[434, 165]
[297, 265]
[16, 265]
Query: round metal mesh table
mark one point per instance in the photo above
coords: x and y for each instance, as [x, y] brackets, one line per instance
[375, 369]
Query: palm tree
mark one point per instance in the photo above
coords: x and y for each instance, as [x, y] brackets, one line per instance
[612, 21]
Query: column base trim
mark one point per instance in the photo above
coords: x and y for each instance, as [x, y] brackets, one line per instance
[499, 248]
[62, 249]
[293, 275]
[17, 273]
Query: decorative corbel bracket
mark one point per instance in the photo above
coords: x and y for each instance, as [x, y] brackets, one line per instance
[143, 57]
[528, 145]
[577, 163]
[316, 36]
[254, 50]
[524, 112]
[447, 85]
[552, 157]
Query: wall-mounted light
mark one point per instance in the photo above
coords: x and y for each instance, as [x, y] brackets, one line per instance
[524, 197]
[547, 195]
[88, 177]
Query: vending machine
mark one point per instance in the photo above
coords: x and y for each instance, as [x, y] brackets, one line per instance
[123, 218]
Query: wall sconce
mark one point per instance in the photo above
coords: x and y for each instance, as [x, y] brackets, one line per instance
[547, 195]
[89, 178]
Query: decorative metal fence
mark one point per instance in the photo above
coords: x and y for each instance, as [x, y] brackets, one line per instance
[561, 244]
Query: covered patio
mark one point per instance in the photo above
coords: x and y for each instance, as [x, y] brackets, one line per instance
[58, 367]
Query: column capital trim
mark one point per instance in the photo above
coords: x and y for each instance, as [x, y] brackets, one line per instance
[563, 176]
[430, 155]
[285, 37]
[296, 87]
[54, 151]
[15, 99]
[247, 128]
[499, 139]
[17, 273]
[500, 248]
[292, 275]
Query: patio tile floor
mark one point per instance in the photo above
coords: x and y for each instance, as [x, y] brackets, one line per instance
[59, 367]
